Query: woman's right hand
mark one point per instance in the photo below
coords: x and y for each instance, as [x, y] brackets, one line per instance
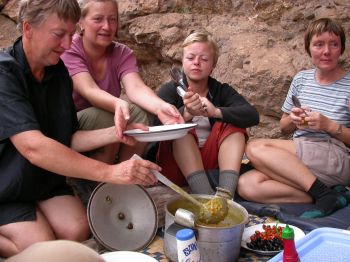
[121, 117]
[193, 103]
[298, 117]
[134, 171]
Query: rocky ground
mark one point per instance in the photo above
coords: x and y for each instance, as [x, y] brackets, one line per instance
[261, 42]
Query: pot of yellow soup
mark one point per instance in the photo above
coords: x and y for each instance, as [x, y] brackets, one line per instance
[216, 242]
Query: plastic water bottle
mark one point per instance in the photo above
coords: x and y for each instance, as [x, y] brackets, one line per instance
[187, 249]
[290, 253]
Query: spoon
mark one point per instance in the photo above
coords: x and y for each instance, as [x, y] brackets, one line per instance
[177, 77]
[213, 211]
[297, 104]
[180, 91]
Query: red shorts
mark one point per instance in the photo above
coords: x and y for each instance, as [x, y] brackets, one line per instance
[209, 151]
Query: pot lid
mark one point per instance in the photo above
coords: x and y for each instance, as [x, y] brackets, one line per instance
[122, 217]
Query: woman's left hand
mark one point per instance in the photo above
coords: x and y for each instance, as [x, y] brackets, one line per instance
[121, 116]
[209, 110]
[317, 121]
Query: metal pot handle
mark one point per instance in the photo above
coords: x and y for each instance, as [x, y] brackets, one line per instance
[224, 193]
[185, 218]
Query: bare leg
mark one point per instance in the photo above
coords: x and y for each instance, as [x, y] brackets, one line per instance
[281, 171]
[230, 157]
[255, 186]
[187, 155]
[231, 152]
[57, 251]
[15, 237]
[277, 159]
[280, 177]
[69, 221]
[189, 160]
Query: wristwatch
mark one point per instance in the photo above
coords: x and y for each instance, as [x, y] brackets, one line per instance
[339, 130]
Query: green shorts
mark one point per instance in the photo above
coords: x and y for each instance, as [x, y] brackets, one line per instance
[93, 118]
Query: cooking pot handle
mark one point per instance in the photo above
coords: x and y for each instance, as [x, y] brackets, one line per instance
[185, 218]
[224, 193]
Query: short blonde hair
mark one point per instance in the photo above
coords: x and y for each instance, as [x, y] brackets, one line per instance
[37, 11]
[202, 36]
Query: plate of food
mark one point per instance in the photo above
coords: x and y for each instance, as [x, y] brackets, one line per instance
[266, 239]
[160, 133]
[121, 256]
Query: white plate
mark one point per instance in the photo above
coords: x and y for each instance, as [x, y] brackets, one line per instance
[249, 231]
[127, 256]
[160, 133]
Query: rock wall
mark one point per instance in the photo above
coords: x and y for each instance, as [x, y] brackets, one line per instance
[261, 42]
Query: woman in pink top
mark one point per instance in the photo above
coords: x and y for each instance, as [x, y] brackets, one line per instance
[99, 67]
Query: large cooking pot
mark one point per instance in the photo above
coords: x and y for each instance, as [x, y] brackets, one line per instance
[218, 243]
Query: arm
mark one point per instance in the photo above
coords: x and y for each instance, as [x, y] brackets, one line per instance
[50, 155]
[317, 121]
[137, 91]
[340, 132]
[235, 109]
[144, 96]
[86, 86]
[33, 145]
[286, 124]
[83, 141]
[86, 140]
[290, 122]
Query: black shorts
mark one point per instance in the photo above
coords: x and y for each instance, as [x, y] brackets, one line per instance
[12, 212]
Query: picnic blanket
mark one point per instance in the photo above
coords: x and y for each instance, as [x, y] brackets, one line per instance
[289, 214]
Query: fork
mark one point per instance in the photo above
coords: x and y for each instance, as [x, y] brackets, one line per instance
[180, 91]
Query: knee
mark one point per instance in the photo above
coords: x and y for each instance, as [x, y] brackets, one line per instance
[255, 147]
[246, 188]
[77, 230]
[21, 243]
[59, 250]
